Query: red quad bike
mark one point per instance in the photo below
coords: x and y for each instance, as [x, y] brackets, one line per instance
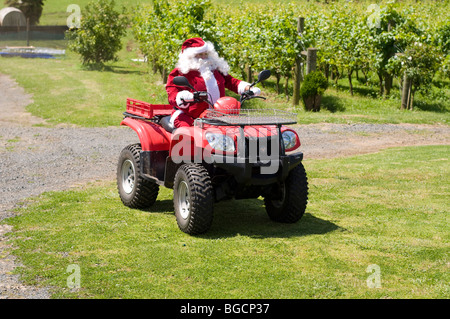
[229, 152]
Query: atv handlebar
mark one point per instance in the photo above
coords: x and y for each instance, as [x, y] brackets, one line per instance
[201, 96]
[247, 95]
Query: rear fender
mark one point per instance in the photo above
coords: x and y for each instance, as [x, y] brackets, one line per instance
[152, 136]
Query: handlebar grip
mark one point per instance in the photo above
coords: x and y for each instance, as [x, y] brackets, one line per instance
[201, 96]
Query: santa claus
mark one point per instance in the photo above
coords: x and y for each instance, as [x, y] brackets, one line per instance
[206, 71]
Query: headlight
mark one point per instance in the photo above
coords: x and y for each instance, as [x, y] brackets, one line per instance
[289, 139]
[220, 142]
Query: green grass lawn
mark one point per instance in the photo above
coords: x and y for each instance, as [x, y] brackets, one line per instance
[388, 209]
[66, 92]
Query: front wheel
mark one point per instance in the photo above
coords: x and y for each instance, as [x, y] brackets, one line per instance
[288, 203]
[134, 190]
[193, 199]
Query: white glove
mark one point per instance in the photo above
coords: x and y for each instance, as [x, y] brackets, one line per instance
[256, 91]
[186, 96]
[243, 85]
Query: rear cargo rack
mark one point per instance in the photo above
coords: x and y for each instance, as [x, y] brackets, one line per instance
[146, 111]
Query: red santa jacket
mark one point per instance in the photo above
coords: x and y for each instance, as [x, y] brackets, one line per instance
[197, 81]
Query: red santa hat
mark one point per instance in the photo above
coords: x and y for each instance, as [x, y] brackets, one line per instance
[195, 46]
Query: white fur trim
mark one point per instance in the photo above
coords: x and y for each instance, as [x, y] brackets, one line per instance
[174, 116]
[208, 46]
[241, 87]
[211, 87]
[187, 61]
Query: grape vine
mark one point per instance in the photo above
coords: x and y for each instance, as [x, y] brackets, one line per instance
[384, 41]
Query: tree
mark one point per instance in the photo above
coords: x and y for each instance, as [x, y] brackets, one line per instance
[383, 43]
[161, 30]
[443, 42]
[346, 46]
[32, 9]
[419, 64]
[99, 37]
[443, 38]
[281, 44]
[446, 66]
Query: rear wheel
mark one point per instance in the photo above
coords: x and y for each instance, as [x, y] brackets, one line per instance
[134, 190]
[193, 199]
[288, 203]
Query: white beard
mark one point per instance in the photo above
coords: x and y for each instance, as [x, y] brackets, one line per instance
[206, 67]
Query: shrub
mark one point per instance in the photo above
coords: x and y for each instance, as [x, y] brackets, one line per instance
[99, 37]
[314, 83]
[313, 86]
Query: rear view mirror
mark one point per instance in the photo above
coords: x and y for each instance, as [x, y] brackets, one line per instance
[182, 81]
[264, 75]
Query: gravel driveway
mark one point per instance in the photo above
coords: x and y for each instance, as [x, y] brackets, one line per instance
[39, 159]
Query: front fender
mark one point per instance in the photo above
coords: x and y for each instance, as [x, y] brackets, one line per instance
[152, 136]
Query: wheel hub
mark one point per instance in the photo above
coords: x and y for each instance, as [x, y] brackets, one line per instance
[128, 176]
[184, 200]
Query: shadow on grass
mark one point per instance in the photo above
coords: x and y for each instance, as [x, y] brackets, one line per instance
[161, 206]
[359, 90]
[271, 84]
[109, 68]
[332, 104]
[428, 106]
[249, 218]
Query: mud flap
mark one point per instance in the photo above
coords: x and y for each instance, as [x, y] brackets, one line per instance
[153, 165]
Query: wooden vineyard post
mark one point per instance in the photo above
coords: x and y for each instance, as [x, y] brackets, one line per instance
[406, 93]
[311, 60]
[28, 32]
[298, 66]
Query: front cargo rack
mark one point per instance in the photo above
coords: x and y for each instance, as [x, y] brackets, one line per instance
[246, 117]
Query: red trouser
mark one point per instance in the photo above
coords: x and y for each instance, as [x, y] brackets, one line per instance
[180, 119]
